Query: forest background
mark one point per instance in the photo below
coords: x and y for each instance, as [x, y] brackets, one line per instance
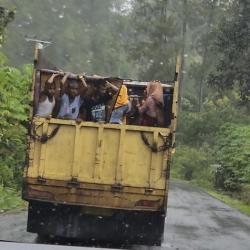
[139, 40]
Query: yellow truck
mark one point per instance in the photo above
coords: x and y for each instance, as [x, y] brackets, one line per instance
[98, 181]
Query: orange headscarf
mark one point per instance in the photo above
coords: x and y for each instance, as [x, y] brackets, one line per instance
[155, 90]
[122, 98]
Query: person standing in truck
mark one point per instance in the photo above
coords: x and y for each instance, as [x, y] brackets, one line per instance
[133, 115]
[71, 100]
[47, 100]
[121, 106]
[151, 112]
[94, 106]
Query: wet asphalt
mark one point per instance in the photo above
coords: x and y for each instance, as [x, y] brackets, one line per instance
[195, 221]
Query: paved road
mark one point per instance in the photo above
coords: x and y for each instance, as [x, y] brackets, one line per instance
[195, 221]
[198, 221]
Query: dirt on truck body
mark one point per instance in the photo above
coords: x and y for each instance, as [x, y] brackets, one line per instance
[90, 180]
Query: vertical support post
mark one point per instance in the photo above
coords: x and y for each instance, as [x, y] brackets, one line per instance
[120, 161]
[33, 96]
[99, 153]
[41, 168]
[76, 154]
[34, 88]
[153, 160]
[175, 99]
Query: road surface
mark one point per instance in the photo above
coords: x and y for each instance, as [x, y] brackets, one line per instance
[195, 221]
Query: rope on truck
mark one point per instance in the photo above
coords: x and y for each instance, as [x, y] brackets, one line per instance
[167, 142]
[44, 137]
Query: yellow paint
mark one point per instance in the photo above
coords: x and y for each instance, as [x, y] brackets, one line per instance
[88, 196]
[98, 153]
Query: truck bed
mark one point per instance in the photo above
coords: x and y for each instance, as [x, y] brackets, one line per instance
[104, 165]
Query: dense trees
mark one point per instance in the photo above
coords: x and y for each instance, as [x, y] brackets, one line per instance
[231, 75]
[87, 36]
[14, 88]
[232, 44]
[213, 145]
[14, 85]
[153, 39]
[233, 156]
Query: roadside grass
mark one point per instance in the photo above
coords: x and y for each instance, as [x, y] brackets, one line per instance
[230, 201]
[10, 199]
[222, 196]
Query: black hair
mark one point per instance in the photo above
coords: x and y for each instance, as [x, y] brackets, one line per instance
[46, 84]
[73, 81]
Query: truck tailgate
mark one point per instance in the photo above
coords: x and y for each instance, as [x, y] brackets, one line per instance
[97, 153]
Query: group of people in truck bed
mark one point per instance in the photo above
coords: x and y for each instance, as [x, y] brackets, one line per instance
[74, 103]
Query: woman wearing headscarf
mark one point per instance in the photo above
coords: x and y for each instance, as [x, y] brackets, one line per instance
[151, 111]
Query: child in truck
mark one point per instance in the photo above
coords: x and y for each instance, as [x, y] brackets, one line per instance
[47, 99]
[71, 100]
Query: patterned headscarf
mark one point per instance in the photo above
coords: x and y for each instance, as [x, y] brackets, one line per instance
[155, 90]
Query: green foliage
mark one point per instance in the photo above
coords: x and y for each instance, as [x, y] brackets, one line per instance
[217, 138]
[232, 46]
[6, 16]
[198, 128]
[192, 163]
[14, 99]
[9, 199]
[232, 152]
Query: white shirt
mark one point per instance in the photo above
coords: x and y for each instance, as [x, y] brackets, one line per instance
[46, 107]
[69, 110]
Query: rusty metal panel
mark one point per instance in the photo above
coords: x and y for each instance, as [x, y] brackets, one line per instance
[89, 195]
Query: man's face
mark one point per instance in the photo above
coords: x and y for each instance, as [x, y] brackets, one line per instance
[73, 89]
[101, 89]
[50, 89]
